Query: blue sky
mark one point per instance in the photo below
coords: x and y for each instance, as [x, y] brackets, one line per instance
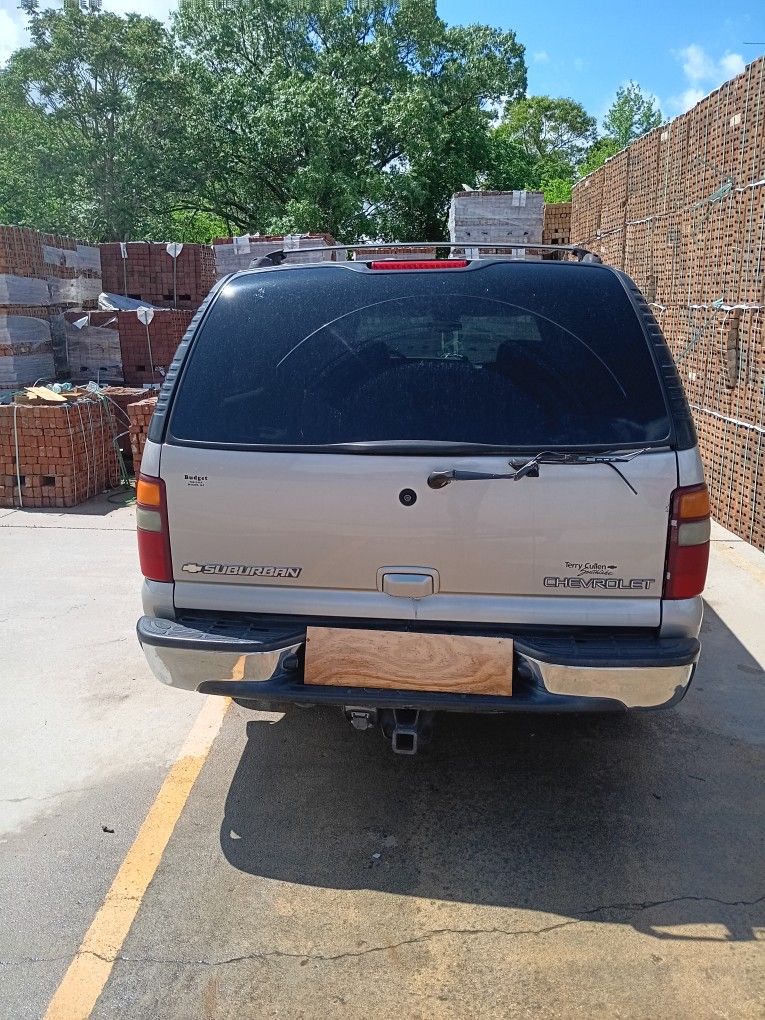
[678, 50]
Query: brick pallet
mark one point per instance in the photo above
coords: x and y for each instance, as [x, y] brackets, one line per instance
[140, 415]
[120, 398]
[503, 218]
[556, 223]
[93, 348]
[144, 270]
[690, 230]
[65, 453]
[40, 276]
[138, 350]
[234, 253]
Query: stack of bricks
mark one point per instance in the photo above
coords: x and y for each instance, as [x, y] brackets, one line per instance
[65, 453]
[156, 343]
[145, 271]
[502, 218]
[120, 398]
[682, 211]
[140, 415]
[232, 254]
[26, 345]
[556, 223]
[40, 276]
[93, 346]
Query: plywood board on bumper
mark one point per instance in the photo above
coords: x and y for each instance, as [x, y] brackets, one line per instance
[393, 660]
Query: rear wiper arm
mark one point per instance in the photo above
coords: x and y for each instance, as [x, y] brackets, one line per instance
[530, 468]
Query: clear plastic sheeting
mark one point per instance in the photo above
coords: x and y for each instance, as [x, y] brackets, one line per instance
[23, 290]
[94, 352]
[237, 255]
[23, 330]
[496, 217]
[84, 257]
[25, 370]
[116, 302]
[26, 350]
[77, 291]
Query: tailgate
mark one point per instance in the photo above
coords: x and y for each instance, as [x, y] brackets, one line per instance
[326, 522]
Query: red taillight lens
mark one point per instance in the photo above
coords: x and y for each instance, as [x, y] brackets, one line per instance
[688, 543]
[422, 264]
[153, 534]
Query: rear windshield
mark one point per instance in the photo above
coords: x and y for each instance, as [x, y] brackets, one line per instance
[514, 355]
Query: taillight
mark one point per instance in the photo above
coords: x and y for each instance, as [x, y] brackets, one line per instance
[153, 534]
[421, 264]
[688, 543]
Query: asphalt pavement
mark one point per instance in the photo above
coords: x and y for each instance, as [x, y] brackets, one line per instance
[522, 867]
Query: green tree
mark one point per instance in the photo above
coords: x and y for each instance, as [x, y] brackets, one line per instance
[553, 133]
[339, 116]
[101, 95]
[539, 144]
[632, 114]
[597, 154]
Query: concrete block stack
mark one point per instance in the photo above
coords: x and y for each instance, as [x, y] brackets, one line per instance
[73, 271]
[682, 210]
[507, 219]
[26, 345]
[146, 271]
[234, 253]
[142, 345]
[93, 346]
[140, 415]
[41, 275]
[556, 223]
[55, 455]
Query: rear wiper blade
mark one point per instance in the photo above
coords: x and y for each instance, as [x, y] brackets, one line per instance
[530, 467]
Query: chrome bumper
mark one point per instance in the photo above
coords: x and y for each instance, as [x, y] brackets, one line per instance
[631, 686]
[265, 664]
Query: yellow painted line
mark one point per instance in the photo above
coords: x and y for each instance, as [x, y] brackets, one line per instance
[90, 969]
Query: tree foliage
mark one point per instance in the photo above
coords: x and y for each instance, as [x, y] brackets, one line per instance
[345, 117]
[603, 149]
[539, 144]
[352, 118]
[632, 114]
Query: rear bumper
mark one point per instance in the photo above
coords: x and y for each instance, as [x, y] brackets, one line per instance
[262, 662]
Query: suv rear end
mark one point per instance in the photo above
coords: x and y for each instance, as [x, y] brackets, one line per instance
[486, 448]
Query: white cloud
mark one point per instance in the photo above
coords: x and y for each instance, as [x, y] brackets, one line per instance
[732, 64]
[11, 33]
[541, 57]
[579, 64]
[703, 73]
[697, 64]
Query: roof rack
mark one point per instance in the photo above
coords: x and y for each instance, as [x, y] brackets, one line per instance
[280, 255]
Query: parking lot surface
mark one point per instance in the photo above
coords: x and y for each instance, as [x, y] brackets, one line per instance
[523, 866]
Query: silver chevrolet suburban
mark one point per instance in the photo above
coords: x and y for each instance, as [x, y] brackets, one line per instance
[401, 487]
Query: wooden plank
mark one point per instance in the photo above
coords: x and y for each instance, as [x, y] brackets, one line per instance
[394, 660]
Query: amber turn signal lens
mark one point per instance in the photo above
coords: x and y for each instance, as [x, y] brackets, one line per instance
[148, 493]
[693, 503]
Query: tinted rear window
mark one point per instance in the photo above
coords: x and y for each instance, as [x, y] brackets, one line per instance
[514, 355]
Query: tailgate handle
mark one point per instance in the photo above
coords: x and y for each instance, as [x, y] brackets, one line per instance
[408, 586]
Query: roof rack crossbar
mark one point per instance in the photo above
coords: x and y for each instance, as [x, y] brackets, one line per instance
[280, 255]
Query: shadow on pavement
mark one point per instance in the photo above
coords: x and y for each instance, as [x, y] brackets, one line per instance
[582, 817]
